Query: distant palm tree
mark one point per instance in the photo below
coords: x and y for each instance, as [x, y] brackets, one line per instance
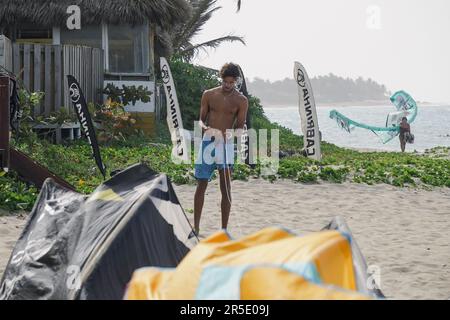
[181, 36]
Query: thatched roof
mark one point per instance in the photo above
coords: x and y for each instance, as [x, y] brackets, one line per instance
[53, 13]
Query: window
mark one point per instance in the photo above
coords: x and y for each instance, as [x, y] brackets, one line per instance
[90, 36]
[128, 49]
[34, 33]
[30, 33]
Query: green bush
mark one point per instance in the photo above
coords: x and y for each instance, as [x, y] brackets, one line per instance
[190, 82]
[127, 94]
[15, 194]
[334, 175]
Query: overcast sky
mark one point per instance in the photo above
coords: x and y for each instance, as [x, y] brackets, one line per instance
[404, 44]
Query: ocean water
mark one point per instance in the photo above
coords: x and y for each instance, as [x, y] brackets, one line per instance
[431, 127]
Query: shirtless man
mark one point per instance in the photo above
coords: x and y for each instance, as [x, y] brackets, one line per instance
[404, 128]
[221, 107]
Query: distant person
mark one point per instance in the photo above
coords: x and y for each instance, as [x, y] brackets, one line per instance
[405, 133]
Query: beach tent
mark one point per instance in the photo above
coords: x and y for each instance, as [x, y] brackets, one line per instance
[270, 264]
[87, 247]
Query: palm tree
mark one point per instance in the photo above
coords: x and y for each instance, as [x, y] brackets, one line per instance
[180, 37]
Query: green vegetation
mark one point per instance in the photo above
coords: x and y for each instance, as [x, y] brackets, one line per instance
[15, 194]
[73, 162]
[127, 94]
[190, 82]
[327, 89]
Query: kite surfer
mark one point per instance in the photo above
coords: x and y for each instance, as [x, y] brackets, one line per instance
[405, 133]
[220, 108]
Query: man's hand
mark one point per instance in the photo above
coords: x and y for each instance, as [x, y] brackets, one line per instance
[212, 132]
[203, 126]
[239, 132]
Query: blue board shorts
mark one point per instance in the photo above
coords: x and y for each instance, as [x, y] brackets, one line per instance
[213, 156]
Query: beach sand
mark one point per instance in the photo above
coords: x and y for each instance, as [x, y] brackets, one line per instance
[10, 228]
[405, 232]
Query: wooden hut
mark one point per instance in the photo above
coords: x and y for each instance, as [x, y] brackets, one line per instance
[114, 44]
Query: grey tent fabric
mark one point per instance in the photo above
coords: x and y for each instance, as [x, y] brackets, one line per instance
[359, 262]
[87, 247]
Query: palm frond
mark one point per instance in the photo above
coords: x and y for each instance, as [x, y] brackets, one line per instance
[191, 50]
[182, 35]
[202, 11]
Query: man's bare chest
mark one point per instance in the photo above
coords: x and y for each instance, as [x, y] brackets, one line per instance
[224, 106]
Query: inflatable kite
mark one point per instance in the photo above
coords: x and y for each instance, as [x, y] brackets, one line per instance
[406, 107]
[270, 264]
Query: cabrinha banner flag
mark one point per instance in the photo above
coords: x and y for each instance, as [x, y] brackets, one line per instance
[179, 136]
[84, 117]
[308, 113]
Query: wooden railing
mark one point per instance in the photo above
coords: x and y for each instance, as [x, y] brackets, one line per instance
[5, 52]
[44, 68]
